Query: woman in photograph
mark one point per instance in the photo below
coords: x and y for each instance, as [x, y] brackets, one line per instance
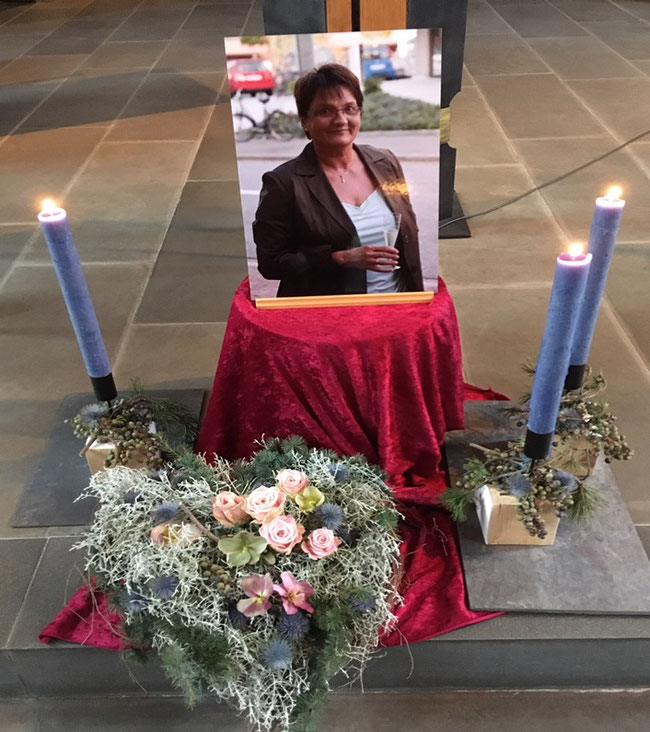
[324, 217]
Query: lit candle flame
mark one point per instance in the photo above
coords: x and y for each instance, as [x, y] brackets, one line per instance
[576, 249]
[48, 205]
[614, 193]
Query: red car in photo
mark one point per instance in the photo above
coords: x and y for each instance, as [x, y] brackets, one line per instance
[248, 75]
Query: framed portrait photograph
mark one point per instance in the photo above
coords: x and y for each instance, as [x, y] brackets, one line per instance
[337, 143]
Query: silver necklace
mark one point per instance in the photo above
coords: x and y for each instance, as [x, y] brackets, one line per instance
[344, 173]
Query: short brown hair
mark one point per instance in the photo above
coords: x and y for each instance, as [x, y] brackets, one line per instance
[327, 76]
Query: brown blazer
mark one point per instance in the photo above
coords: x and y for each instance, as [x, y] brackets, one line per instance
[300, 221]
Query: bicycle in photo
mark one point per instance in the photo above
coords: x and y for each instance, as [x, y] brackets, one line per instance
[277, 124]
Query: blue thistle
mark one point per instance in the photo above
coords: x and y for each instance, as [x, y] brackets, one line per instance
[293, 627]
[339, 472]
[92, 413]
[237, 619]
[363, 604]
[164, 587]
[166, 511]
[568, 482]
[133, 601]
[329, 515]
[278, 655]
[517, 485]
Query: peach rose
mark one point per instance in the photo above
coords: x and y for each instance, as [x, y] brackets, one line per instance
[282, 533]
[291, 482]
[228, 508]
[264, 503]
[320, 543]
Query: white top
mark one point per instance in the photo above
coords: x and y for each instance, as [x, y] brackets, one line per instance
[371, 219]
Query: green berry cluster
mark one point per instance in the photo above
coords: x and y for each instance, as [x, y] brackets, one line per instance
[216, 573]
[545, 488]
[126, 425]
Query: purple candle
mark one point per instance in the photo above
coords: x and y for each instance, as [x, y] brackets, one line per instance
[568, 289]
[71, 278]
[602, 238]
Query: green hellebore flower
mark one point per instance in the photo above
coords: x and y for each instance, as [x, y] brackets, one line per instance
[243, 548]
[309, 499]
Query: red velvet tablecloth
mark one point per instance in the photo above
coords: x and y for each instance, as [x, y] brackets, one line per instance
[384, 381]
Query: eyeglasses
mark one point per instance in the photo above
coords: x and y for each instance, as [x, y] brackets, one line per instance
[350, 110]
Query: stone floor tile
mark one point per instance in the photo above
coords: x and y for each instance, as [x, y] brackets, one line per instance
[142, 714]
[255, 23]
[126, 55]
[12, 710]
[227, 19]
[628, 292]
[18, 559]
[610, 100]
[468, 80]
[643, 65]
[12, 241]
[169, 107]
[20, 716]
[216, 159]
[539, 20]
[501, 328]
[482, 19]
[582, 58]
[25, 424]
[59, 575]
[591, 9]
[630, 38]
[56, 154]
[500, 54]
[644, 535]
[193, 50]
[88, 671]
[37, 19]
[153, 23]
[516, 244]
[122, 203]
[638, 8]
[176, 356]
[202, 260]
[19, 100]
[12, 47]
[39, 351]
[572, 199]
[640, 151]
[34, 69]
[76, 36]
[475, 134]
[95, 98]
[536, 105]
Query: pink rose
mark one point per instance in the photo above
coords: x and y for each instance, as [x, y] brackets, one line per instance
[228, 508]
[320, 543]
[264, 503]
[291, 482]
[282, 533]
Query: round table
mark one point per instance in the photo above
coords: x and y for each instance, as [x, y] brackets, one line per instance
[383, 381]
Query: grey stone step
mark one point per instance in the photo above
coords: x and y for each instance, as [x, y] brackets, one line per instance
[514, 651]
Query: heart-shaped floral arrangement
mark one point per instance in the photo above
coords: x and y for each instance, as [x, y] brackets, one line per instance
[256, 580]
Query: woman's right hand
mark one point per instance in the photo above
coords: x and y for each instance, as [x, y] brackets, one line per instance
[375, 258]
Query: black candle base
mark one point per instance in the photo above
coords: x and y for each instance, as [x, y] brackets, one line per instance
[104, 387]
[574, 377]
[537, 446]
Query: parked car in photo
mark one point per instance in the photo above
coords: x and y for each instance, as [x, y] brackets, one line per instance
[382, 67]
[250, 76]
